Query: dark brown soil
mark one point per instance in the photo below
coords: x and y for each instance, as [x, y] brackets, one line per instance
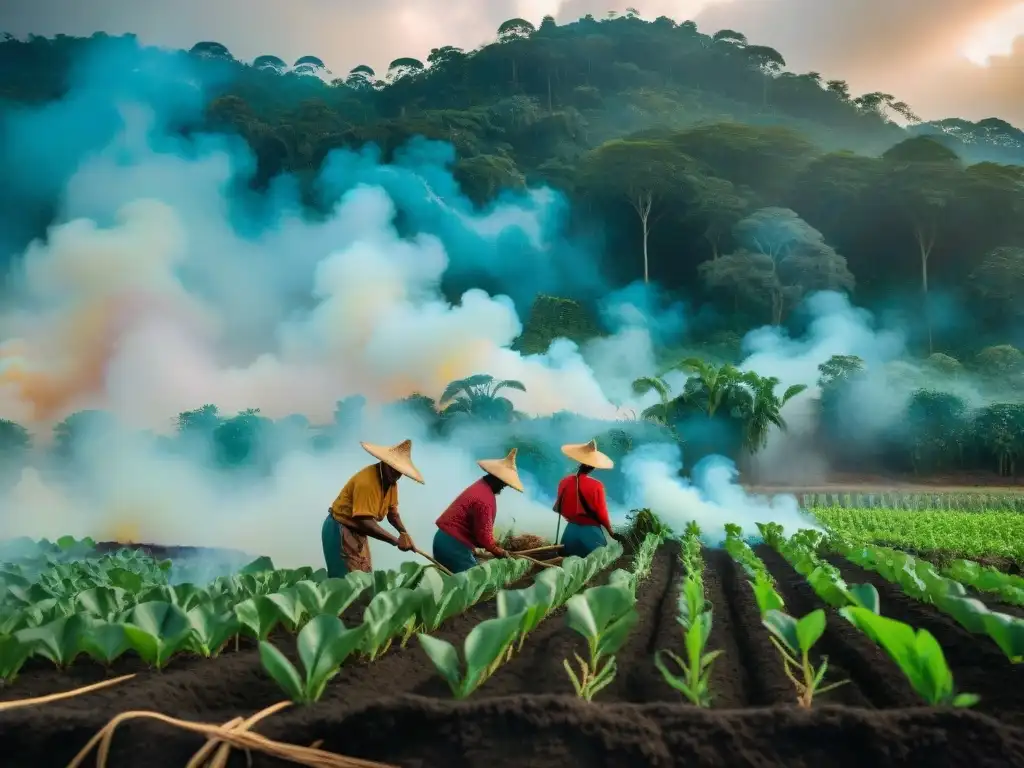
[977, 663]
[397, 711]
[874, 679]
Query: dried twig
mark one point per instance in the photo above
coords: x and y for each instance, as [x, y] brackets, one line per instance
[307, 756]
[199, 758]
[18, 703]
[220, 760]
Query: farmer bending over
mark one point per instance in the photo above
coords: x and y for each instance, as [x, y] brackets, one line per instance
[581, 501]
[367, 498]
[469, 520]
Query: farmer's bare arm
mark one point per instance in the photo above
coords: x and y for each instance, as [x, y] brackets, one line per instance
[396, 520]
[368, 527]
[404, 539]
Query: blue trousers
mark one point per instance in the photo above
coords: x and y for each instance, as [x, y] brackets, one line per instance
[452, 553]
[581, 540]
[330, 537]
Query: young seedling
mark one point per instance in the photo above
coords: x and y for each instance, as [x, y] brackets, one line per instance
[485, 648]
[918, 655]
[323, 644]
[794, 639]
[604, 616]
[694, 683]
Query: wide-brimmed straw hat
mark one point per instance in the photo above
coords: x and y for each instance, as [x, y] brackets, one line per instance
[587, 453]
[398, 457]
[503, 469]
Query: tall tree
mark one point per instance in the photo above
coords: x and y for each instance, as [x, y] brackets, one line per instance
[999, 281]
[781, 259]
[650, 175]
[923, 180]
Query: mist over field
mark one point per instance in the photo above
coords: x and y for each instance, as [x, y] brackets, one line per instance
[167, 280]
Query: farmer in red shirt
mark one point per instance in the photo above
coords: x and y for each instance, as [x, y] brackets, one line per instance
[469, 521]
[581, 501]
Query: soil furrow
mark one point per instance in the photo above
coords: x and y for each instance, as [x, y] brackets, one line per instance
[538, 667]
[977, 663]
[874, 680]
[638, 680]
[751, 666]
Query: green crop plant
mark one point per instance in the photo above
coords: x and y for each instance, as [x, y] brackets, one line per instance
[918, 655]
[794, 639]
[385, 617]
[761, 582]
[323, 645]
[988, 533]
[604, 616]
[695, 681]
[695, 617]
[1008, 588]
[13, 655]
[800, 551]
[211, 629]
[156, 631]
[484, 648]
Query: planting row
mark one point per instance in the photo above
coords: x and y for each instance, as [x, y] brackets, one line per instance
[922, 581]
[603, 615]
[916, 652]
[106, 607]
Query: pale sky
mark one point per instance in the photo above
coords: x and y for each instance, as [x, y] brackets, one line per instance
[946, 58]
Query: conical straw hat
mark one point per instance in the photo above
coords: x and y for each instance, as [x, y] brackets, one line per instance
[503, 469]
[398, 457]
[587, 453]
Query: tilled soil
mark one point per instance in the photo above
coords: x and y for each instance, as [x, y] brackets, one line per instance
[397, 711]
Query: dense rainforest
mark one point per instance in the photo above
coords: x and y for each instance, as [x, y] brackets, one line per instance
[696, 161]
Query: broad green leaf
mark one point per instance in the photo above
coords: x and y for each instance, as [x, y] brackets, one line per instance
[289, 607]
[445, 659]
[865, 596]
[615, 634]
[156, 631]
[282, 671]
[783, 627]
[124, 579]
[809, 629]
[211, 628]
[258, 615]
[485, 644]
[105, 603]
[60, 640]
[105, 642]
[13, 654]
[324, 644]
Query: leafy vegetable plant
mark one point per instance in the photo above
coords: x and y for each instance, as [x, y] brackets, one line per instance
[323, 645]
[604, 616]
[794, 639]
[484, 649]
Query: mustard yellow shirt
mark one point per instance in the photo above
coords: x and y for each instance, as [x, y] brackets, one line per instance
[363, 496]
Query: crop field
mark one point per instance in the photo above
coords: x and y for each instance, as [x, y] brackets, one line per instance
[839, 647]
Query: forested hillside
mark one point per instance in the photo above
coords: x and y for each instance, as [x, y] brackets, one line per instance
[703, 164]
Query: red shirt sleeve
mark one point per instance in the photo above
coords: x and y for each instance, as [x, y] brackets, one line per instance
[483, 525]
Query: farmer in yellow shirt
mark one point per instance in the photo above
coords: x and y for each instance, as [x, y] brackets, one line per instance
[367, 498]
